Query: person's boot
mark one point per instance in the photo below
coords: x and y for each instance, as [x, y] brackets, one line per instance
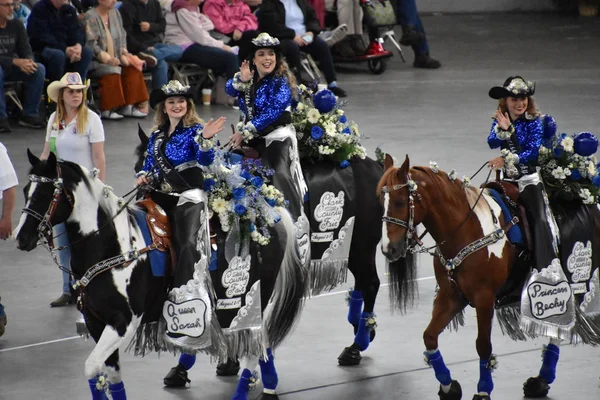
[357, 44]
[425, 61]
[410, 36]
[63, 300]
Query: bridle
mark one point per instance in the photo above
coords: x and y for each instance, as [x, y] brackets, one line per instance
[411, 232]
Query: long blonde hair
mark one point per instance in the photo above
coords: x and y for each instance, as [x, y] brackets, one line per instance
[82, 112]
[531, 107]
[190, 118]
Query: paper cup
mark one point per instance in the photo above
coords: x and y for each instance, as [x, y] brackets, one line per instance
[206, 96]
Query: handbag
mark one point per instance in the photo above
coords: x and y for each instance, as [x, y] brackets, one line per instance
[380, 12]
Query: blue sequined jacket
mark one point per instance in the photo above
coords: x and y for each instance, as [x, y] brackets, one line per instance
[273, 98]
[529, 133]
[180, 147]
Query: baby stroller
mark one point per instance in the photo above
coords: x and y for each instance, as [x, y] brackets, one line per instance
[379, 16]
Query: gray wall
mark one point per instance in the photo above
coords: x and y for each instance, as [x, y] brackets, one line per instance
[483, 5]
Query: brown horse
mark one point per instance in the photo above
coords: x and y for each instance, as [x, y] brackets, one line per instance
[458, 217]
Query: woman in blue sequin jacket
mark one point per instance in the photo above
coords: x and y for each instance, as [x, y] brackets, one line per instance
[265, 88]
[518, 129]
[177, 149]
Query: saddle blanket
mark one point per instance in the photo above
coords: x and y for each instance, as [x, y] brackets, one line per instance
[158, 259]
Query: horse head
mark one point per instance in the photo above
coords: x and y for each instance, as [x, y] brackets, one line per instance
[399, 194]
[48, 200]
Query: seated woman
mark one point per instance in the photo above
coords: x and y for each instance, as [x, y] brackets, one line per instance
[232, 18]
[349, 13]
[190, 29]
[122, 87]
[296, 25]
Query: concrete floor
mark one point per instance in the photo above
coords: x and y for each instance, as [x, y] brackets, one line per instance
[442, 115]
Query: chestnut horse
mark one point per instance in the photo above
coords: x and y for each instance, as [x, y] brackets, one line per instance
[458, 217]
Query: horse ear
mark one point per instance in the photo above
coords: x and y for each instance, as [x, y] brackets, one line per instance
[33, 160]
[51, 162]
[388, 162]
[142, 135]
[405, 167]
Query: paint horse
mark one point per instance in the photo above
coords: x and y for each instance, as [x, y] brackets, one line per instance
[105, 236]
[361, 261]
[463, 221]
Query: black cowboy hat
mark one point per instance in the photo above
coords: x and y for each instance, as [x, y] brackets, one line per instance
[261, 41]
[514, 86]
[171, 89]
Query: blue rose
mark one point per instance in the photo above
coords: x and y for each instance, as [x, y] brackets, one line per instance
[270, 202]
[206, 157]
[575, 174]
[345, 164]
[239, 209]
[238, 193]
[316, 132]
[252, 228]
[558, 152]
[585, 144]
[256, 181]
[343, 119]
[208, 184]
[596, 180]
[324, 100]
[246, 175]
[346, 131]
[549, 125]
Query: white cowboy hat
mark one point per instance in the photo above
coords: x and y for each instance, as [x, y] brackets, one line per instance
[72, 80]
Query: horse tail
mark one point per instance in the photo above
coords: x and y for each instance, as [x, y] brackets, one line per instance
[290, 289]
[403, 284]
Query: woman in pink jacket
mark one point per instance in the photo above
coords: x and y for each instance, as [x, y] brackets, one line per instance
[191, 30]
[232, 18]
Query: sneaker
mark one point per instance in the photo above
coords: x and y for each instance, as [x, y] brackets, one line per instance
[4, 126]
[337, 34]
[112, 115]
[30, 121]
[149, 59]
[338, 91]
[425, 61]
[131, 111]
[63, 300]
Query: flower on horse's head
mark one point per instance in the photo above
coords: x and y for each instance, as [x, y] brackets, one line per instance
[412, 185]
[434, 166]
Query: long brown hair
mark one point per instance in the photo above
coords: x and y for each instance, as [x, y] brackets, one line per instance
[82, 112]
[531, 107]
[190, 118]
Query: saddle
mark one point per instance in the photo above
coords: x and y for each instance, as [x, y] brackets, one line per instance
[160, 230]
[509, 191]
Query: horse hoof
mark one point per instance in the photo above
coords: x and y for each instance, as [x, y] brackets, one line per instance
[536, 387]
[455, 392]
[481, 397]
[268, 396]
[230, 368]
[177, 377]
[373, 333]
[350, 356]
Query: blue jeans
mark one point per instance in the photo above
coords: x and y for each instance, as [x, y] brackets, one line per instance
[164, 53]
[407, 14]
[57, 63]
[64, 256]
[219, 60]
[34, 86]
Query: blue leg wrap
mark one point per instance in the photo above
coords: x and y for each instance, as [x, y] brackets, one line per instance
[442, 373]
[187, 360]
[486, 383]
[243, 386]
[268, 372]
[548, 370]
[363, 334]
[355, 305]
[96, 394]
[117, 391]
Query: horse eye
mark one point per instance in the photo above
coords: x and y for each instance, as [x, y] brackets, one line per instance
[399, 203]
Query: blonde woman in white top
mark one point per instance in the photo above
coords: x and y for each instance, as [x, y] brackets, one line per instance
[74, 133]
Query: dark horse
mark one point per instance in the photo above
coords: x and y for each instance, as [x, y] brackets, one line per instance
[105, 236]
[361, 261]
[457, 216]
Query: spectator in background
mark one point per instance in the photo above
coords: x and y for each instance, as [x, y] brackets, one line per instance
[295, 24]
[8, 193]
[21, 12]
[57, 39]
[232, 18]
[145, 25]
[349, 13]
[16, 64]
[122, 87]
[413, 34]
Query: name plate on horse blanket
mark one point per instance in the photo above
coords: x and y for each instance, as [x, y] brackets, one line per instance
[331, 208]
[559, 298]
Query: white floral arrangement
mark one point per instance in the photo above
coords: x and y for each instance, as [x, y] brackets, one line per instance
[569, 167]
[510, 163]
[239, 195]
[324, 132]
[174, 87]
